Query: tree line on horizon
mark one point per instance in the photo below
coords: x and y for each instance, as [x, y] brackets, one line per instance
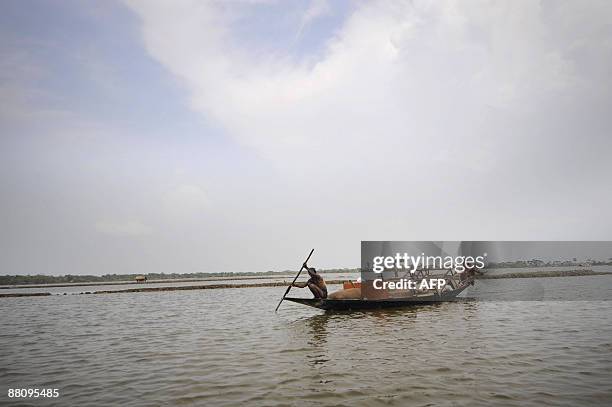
[106, 278]
[74, 278]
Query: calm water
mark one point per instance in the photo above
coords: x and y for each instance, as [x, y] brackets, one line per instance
[224, 347]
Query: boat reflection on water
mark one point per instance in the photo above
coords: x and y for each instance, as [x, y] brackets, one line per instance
[380, 323]
[318, 329]
[317, 326]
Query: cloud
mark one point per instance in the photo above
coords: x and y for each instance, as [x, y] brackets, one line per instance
[126, 228]
[438, 111]
[407, 73]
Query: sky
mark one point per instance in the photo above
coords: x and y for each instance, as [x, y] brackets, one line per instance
[206, 136]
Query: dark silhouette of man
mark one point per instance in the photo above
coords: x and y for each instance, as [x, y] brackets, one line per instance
[315, 283]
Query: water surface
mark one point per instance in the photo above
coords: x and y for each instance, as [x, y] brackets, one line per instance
[227, 346]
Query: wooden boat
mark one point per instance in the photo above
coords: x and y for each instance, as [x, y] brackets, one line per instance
[355, 304]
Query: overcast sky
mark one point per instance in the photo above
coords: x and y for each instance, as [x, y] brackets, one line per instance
[187, 136]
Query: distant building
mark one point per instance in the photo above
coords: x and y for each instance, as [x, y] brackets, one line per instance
[141, 279]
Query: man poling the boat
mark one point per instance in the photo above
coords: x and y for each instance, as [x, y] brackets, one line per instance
[315, 283]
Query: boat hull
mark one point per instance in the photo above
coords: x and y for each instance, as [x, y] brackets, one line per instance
[356, 304]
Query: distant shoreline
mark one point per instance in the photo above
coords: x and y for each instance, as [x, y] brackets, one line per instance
[68, 280]
[121, 279]
[569, 273]
[162, 281]
[129, 279]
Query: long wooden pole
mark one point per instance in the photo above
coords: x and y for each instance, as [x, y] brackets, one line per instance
[296, 277]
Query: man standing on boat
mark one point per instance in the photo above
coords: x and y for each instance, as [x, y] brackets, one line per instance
[315, 283]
